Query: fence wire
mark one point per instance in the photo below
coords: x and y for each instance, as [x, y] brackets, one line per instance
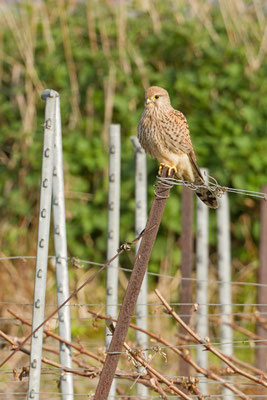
[213, 186]
[256, 284]
[237, 344]
[147, 304]
[150, 315]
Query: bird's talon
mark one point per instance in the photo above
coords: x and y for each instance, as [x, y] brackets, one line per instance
[160, 168]
[172, 169]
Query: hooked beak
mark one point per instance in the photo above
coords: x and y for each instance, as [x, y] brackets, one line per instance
[148, 100]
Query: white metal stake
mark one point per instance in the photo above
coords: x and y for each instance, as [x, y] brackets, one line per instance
[224, 270]
[42, 247]
[113, 230]
[60, 240]
[140, 223]
[202, 264]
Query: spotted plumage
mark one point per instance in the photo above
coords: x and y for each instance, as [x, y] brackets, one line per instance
[164, 134]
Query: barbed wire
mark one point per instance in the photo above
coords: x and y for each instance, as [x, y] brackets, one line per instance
[212, 185]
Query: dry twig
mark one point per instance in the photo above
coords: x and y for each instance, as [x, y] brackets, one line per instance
[208, 346]
[124, 247]
[239, 329]
[90, 372]
[184, 354]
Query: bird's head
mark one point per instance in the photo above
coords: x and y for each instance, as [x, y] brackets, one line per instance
[156, 97]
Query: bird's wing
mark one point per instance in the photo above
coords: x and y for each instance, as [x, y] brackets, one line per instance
[179, 132]
[179, 138]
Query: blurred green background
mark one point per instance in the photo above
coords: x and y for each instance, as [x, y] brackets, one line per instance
[101, 56]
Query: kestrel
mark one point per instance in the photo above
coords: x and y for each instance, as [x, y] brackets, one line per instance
[164, 134]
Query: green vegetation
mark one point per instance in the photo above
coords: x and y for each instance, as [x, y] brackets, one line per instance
[100, 57]
[100, 77]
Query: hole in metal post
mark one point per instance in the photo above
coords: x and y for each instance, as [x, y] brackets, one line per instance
[112, 149]
[48, 123]
[40, 273]
[112, 178]
[46, 153]
[38, 303]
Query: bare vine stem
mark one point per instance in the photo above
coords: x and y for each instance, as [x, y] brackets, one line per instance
[124, 247]
[184, 354]
[207, 345]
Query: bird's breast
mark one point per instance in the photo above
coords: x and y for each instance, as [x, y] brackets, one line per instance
[150, 134]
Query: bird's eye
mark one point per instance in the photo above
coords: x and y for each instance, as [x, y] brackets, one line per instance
[156, 97]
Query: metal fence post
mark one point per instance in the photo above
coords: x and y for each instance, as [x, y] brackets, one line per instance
[202, 264]
[113, 230]
[187, 244]
[224, 271]
[261, 353]
[42, 246]
[140, 223]
[60, 241]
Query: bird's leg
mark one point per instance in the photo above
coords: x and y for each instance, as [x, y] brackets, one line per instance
[170, 168]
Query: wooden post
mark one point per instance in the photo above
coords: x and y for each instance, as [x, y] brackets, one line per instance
[133, 289]
[186, 264]
[261, 353]
[140, 223]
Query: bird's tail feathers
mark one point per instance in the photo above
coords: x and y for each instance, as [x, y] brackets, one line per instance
[205, 194]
